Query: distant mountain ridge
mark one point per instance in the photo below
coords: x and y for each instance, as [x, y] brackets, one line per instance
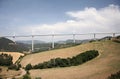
[71, 41]
[30, 41]
[60, 42]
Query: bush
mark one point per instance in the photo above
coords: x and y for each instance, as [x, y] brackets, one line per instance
[115, 76]
[14, 66]
[26, 76]
[27, 71]
[5, 60]
[28, 67]
[61, 62]
[38, 78]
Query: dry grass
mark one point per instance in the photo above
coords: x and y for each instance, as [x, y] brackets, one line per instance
[15, 55]
[99, 68]
[8, 73]
[45, 56]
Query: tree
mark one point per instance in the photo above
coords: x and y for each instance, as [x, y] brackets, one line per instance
[5, 60]
[28, 67]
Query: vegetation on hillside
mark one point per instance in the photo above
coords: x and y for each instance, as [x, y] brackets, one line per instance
[26, 76]
[16, 65]
[10, 46]
[61, 62]
[115, 75]
[5, 60]
[47, 46]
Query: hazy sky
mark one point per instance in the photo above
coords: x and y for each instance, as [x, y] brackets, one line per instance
[59, 16]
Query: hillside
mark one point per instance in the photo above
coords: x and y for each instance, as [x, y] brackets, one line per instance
[4, 74]
[29, 41]
[10, 46]
[15, 55]
[99, 68]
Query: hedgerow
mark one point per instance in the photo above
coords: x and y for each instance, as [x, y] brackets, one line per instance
[62, 62]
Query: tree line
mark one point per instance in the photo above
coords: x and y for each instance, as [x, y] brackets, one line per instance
[62, 62]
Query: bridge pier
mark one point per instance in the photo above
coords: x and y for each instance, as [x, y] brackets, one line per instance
[113, 34]
[73, 38]
[94, 36]
[53, 41]
[32, 43]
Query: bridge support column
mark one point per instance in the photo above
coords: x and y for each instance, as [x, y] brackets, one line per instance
[53, 41]
[94, 36]
[32, 43]
[73, 38]
[113, 34]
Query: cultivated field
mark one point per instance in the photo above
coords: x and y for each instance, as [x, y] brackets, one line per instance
[99, 68]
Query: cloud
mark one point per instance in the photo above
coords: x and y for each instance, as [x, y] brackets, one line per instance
[89, 20]
[101, 20]
[85, 21]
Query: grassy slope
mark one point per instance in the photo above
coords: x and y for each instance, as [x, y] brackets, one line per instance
[99, 68]
[15, 55]
[10, 73]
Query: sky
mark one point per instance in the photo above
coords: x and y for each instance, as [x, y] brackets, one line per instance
[26, 17]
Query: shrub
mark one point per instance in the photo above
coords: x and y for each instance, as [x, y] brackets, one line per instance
[28, 67]
[27, 72]
[26, 76]
[6, 60]
[14, 66]
[115, 76]
[38, 78]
